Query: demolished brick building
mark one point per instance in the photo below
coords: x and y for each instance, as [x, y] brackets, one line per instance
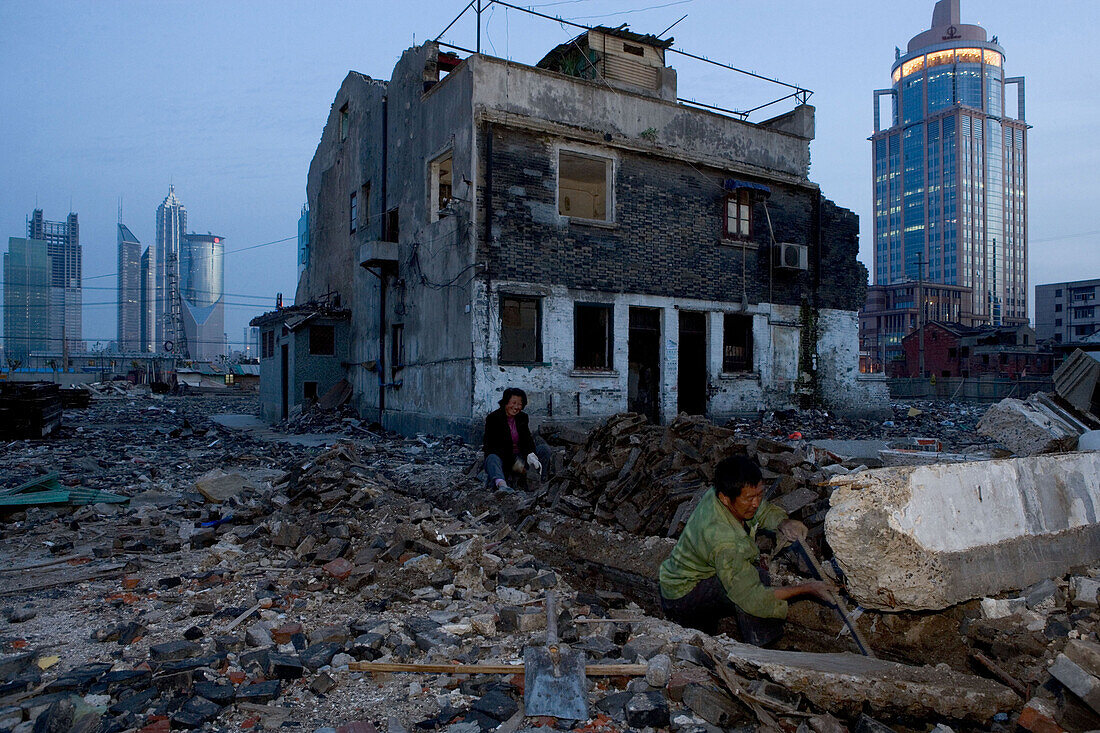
[592, 240]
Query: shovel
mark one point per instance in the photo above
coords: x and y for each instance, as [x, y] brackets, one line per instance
[553, 676]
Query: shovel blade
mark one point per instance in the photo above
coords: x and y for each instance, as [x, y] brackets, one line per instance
[560, 692]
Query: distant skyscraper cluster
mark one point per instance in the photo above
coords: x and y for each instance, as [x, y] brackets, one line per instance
[170, 298]
[42, 288]
[173, 290]
[950, 189]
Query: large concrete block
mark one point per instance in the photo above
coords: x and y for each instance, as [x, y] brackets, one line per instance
[1027, 427]
[928, 537]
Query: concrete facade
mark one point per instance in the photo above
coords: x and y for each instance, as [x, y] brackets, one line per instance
[1069, 312]
[298, 363]
[436, 205]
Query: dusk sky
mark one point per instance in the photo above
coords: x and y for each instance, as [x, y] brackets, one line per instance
[106, 100]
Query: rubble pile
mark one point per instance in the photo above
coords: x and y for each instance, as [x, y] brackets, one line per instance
[256, 584]
[647, 479]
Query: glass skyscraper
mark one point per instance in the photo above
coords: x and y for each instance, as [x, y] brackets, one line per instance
[949, 184]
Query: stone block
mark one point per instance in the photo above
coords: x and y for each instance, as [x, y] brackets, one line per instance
[173, 650]
[1039, 716]
[338, 568]
[1079, 682]
[647, 709]
[713, 706]
[1085, 591]
[993, 608]
[1043, 596]
[216, 486]
[260, 693]
[1086, 654]
[659, 670]
[929, 537]
[1027, 428]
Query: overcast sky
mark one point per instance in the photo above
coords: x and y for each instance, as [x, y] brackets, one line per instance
[106, 100]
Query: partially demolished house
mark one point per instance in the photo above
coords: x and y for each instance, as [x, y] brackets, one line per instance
[574, 230]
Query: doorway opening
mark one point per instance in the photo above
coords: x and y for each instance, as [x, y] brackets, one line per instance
[644, 357]
[692, 378]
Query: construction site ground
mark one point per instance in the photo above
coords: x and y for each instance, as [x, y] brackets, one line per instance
[255, 576]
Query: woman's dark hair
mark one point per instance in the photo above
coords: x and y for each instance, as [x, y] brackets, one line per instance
[733, 474]
[513, 392]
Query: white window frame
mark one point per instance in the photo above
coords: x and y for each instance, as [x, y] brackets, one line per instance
[434, 209]
[610, 164]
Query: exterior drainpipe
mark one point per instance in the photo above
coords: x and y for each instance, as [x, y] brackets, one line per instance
[381, 271]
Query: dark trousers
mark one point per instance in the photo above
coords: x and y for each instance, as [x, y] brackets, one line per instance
[707, 603]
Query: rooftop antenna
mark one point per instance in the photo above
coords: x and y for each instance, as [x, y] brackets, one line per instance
[666, 30]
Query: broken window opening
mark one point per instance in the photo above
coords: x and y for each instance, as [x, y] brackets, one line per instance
[737, 343]
[441, 176]
[364, 206]
[583, 186]
[738, 222]
[322, 340]
[391, 225]
[309, 391]
[353, 218]
[345, 122]
[397, 348]
[593, 340]
[520, 330]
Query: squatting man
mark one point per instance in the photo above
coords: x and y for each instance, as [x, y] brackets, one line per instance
[712, 573]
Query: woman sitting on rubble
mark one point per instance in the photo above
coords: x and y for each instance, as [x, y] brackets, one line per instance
[712, 574]
[508, 445]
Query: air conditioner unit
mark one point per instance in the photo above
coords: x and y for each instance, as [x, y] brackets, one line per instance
[789, 256]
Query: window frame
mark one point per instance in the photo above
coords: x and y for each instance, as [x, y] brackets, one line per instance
[729, 319]
[345, 122]
[744, 202]
[610, 163]
[435, 205]
[353, 212]
[609, 336]
[397, 348]
[520, 298]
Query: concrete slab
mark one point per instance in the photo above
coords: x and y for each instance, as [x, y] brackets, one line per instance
[851, 448]
[844, 683]
[262, 431]
[928, 537]
[1028, 427]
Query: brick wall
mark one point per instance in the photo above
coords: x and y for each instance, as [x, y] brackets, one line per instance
[667, 234]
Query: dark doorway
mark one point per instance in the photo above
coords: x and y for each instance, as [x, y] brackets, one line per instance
[285, 368]
[644, 356]
[692, 379]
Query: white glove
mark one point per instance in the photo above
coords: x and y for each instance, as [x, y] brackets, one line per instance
[533, 462]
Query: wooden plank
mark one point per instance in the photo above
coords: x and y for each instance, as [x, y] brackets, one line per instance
[593, 670]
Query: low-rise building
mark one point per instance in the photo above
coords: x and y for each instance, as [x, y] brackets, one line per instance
[955, 350]
[575, 230]
[1067, 313]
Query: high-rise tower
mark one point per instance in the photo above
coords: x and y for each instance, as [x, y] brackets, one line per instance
[129, 290]
[202, 259]
[949, 188]
[171, 224]
[62, 240]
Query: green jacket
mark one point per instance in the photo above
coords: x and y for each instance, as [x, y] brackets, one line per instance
[714, 542]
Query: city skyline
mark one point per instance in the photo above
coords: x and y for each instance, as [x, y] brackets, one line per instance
[243, 130]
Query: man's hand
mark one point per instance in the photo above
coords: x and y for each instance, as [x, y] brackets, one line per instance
[793, 530]
[533, 462]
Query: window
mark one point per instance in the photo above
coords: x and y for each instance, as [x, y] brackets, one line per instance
[985, 358]
[354, 211]
[364, 206]
[1057, 321]
[322, 340]
[397, 348]
[738, 215]
[345, 122]
[391, 225]
[1057, 307]
[583, 183]
[520, 330]
[737, 343]
[309, 390]
[592, 337]
[441, 172]
[964, 351]
[1058, 293]
[952, 352]
[267, 347]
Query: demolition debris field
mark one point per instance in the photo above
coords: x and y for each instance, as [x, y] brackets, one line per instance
[254, 583]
